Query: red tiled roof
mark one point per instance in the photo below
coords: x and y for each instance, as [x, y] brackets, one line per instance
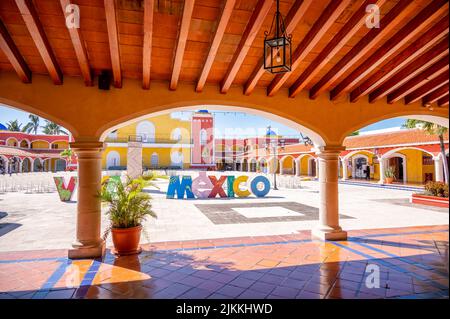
[13, 151]
[401, 137]
[4, 135]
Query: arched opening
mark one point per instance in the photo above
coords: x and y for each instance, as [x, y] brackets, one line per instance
[203, 137]
[24, 144]
[253, 165]
[154, 160]
[40, 144]
[3, 165]
[37, 165]
[145, 130]
[244, 165]
[287, 165]
[263, 165]
[12, 141]
[176, 134]
[112, 160]
[412, 165]
[47, 165]
[304, 164]
[26, 165]
[177, 159]
[360, 166]
[312, 166]
[59, 145]
[15, 164]
[60, 165]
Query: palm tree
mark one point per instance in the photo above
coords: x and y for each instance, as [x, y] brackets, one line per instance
[32, 125]
[432, 129]
[67, 154]
[52, 128]
[14, 126]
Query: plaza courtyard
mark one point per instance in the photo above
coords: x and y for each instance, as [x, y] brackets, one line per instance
[232, 248]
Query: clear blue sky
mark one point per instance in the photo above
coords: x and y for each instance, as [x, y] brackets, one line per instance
[226, 123]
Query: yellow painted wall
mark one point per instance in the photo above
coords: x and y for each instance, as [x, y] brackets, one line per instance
[164, 125]
[12, 142]
[304, 165]
[288, 165]
[40, 144]
[164, 156]
[62, 145]
[376, 168]
[414, 170]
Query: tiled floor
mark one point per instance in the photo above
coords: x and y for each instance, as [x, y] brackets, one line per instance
[412, 263]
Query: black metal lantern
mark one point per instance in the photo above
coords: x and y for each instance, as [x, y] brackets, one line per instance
[277, 46]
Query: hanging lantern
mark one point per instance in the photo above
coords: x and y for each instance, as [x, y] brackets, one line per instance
[277, 46]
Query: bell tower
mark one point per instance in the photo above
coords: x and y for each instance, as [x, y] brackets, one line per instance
[202, 133]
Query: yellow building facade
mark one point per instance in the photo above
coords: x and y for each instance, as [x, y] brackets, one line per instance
[166, 143]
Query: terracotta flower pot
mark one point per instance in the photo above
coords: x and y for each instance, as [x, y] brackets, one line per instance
[126, 240]
[388, 180]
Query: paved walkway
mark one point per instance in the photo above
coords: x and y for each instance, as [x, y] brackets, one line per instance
[412, 263]
[41, 221]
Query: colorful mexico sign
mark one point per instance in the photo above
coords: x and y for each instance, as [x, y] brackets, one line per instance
[205, 186]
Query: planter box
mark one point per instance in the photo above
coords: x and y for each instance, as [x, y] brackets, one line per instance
[429, 200]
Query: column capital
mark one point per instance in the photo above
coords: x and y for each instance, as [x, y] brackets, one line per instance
[329, 151]
[86, 146]
[87, 149]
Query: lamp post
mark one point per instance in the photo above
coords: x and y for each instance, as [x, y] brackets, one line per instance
[272, 148]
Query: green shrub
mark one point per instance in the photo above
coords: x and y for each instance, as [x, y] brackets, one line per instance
[438, 189]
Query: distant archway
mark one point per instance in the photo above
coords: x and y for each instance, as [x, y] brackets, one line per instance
[112, 159]
[146, 131]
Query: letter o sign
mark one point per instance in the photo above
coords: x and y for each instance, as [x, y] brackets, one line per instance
[254, 186]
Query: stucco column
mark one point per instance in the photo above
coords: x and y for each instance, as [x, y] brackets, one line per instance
[281, 167]
[438, 169]
[134, 159]
[297, 167]
[88, 242]
[317, 167]
[328, 228]
[344, 169]
[382, 168]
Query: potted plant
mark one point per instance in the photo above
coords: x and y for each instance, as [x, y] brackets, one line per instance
[389, 175]
[129, 206]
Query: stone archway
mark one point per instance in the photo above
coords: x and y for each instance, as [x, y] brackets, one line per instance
[27, 165]
[287, 165]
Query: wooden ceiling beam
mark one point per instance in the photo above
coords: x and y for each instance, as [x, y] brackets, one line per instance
[413, 28]
[436, 95]
[418, 47]
[147, 44]
[411, 70]
[9, 48]
[79, 47]
[294, 16]
[113, 38]
[220, 31]
[374, 37]
[337, 42]
[250, 33]
[427, 75]
[34, 26]
[443, 101]
[426, 89]
[188, 8]
[320, 27]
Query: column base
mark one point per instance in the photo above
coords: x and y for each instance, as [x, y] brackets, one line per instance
[325, 233]
[83, 252]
